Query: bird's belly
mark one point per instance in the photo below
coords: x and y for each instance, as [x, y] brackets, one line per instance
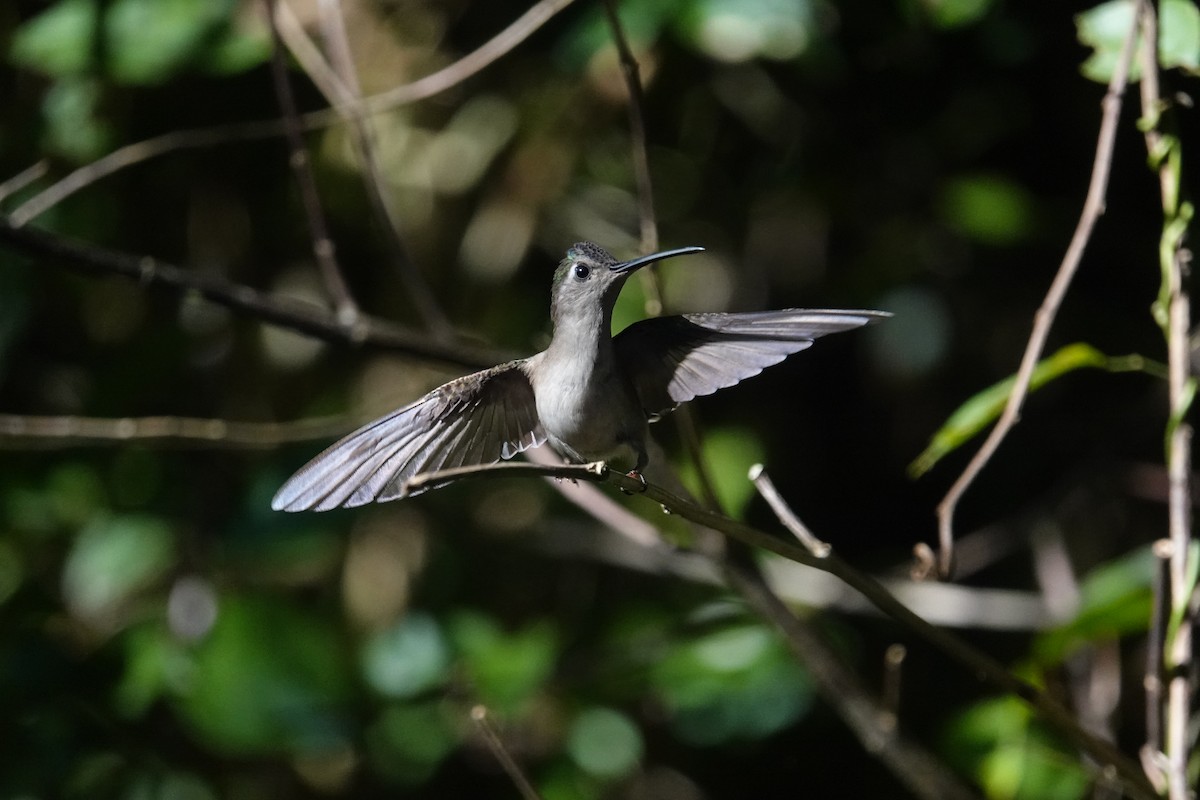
[592, 425]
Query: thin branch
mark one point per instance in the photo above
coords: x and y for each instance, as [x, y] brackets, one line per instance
[479, 714]
[1173, 312]
[637, 130]
[309, 57]
[323, 247]
[685, 418]
[893, 673]
[762, 482]
[596, 471]
[23, 178]
[918, 769]
[976, 662]
[1093, 207]
[499, 45]
[382, 205]
[286, 312]
[1153, 760]
[18, 431]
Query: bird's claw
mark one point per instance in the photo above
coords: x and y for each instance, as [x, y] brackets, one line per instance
[633, 473]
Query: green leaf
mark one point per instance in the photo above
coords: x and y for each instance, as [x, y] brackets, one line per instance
[407, 658]
[735, 31]
[985, 407]
[408, 741]
[728, 454]
[1013, 757]
[149, 40]
[605, 743]
[57, 42]
[269, 678]
[504, 669]
[951, 14]
[74, 127]
[1105, 27]
[641, 20]
[111, 560]
[1116, 599]
[988, 208]
[735, 683]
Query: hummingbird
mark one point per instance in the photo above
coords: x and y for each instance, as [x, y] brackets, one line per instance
[590, 395]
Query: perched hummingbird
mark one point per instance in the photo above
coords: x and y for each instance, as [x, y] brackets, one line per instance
[589, 394]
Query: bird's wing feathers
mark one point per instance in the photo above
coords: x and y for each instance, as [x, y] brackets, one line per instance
[673, 359]
[476, 419]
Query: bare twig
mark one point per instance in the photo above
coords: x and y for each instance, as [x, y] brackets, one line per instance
[1152, 681]
[286, 312]
[479, 714]
[685, 418]
[67, 431]
[309, 56]
[893, 669]
[762, 482]
[637, 130]
[978, 663]
[430, 85]
[324, 250]
[384, 209]
[1173, 312]
[23, 178]
[1093, 207]
[919, 770]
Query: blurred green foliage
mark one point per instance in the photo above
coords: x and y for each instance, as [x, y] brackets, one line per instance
[164, 635]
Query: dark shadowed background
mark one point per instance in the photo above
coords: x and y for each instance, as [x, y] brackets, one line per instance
[164, 634]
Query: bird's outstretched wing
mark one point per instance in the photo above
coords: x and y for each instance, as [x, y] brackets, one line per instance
[673, 359]
[476, 419]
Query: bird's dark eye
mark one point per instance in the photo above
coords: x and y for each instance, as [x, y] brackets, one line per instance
[582, 271]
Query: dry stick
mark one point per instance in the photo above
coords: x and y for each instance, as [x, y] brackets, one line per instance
[374, 183]
[286, 312]
[873, 722]
[641, 161]
[322, 245]
[432, 84]
[914, 766]
[480, 715]
[1163, 154]
[1153, 761]
[23, 178]
[978, 663]
[685, 419]
[309, 56]
[1093, 207]
[893, 668]
[762, 482]
[69, 431]
[637, 129]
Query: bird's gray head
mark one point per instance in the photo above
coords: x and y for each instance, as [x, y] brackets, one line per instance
[589, 274]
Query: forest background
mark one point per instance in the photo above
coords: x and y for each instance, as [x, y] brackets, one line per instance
[189, 310]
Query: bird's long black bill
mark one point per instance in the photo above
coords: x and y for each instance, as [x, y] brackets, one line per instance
[641, 261]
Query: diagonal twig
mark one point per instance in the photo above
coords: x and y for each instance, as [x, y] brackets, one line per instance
[322, 244]
[286, 312]
[1093, 207]
[685, 418]
[23, 178]
[350, 107]
[500, 44]
[976, 662]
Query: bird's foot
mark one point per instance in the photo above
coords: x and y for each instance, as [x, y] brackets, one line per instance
[633, 473]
